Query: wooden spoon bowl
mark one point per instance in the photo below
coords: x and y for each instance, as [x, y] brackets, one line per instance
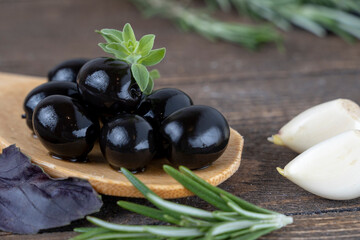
[103, 178]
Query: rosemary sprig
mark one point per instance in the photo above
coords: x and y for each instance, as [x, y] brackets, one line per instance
[199, 21]
[235, 219]
[315, 16]
[348, 5]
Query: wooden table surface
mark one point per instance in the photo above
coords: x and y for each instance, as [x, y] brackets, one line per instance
[258, 92]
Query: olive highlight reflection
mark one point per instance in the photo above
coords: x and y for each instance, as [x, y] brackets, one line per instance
[128, 141]
[42, 91]
[66, 71]
[107, 85]
[65, 127]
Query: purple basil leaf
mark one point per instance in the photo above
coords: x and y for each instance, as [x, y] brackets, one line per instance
[30, 200]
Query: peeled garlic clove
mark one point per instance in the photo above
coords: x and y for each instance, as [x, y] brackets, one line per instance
[317, 124]
[330, 169]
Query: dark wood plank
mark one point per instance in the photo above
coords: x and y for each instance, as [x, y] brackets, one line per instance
[257, 91]
[331, 226]
[43, 236]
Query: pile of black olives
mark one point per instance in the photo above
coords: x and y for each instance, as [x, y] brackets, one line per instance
[89, 100]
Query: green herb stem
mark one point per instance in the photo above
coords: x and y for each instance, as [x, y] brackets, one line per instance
[239, 221]
[316, 16]
[190, 19]
[246, 205]
[146, 211]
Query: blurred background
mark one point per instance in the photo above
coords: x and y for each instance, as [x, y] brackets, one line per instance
[259, 74]
[36, 35]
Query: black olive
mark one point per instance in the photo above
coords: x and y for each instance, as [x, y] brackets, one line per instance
[65, 127]
[159, 105]
[107, 85]
[107, 117]
[195, 136]
[127, 141]
[44, 90]
[67, 70]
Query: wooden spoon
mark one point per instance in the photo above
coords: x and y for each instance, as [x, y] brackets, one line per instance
[13, 130]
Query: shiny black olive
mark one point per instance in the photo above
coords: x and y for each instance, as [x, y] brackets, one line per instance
[107, 85]
[159, 105]
[65, 127]
[127, 141]
[195, 136]
[44, 90]
[67, 70]
[107, 117]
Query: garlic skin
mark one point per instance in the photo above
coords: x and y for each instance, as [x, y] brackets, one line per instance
[317, 124]
[329, 169]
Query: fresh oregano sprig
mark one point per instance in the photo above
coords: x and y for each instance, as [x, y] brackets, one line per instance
[235, 219]
[139, 54]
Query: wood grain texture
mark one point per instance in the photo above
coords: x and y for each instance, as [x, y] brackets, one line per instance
[44, 236]
[13, 130]
[337, 227]
[258, 92]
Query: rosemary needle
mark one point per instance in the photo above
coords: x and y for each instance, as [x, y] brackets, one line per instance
[199, 21]
[316, 16]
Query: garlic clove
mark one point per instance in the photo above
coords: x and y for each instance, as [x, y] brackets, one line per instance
[329, 169]
[317, 124]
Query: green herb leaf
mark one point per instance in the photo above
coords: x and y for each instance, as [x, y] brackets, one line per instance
[118, 50]
[115, 227]
[243, 212]
[141, 75]
[103, 47]
[146, 43]
[178, 208]
[166, 231]
[199, 21]
[143, 210]
[137, 54]
[202, 192]
[149, 88]
[154, 74]
[117, 47]
[246, 205]
[111, 35]
[315, 16]
[128, 33]
[230, 227]
[136, 182]
[192, 223]
[154, 57]
[84, 229]
[87, 233]
[254, 235]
